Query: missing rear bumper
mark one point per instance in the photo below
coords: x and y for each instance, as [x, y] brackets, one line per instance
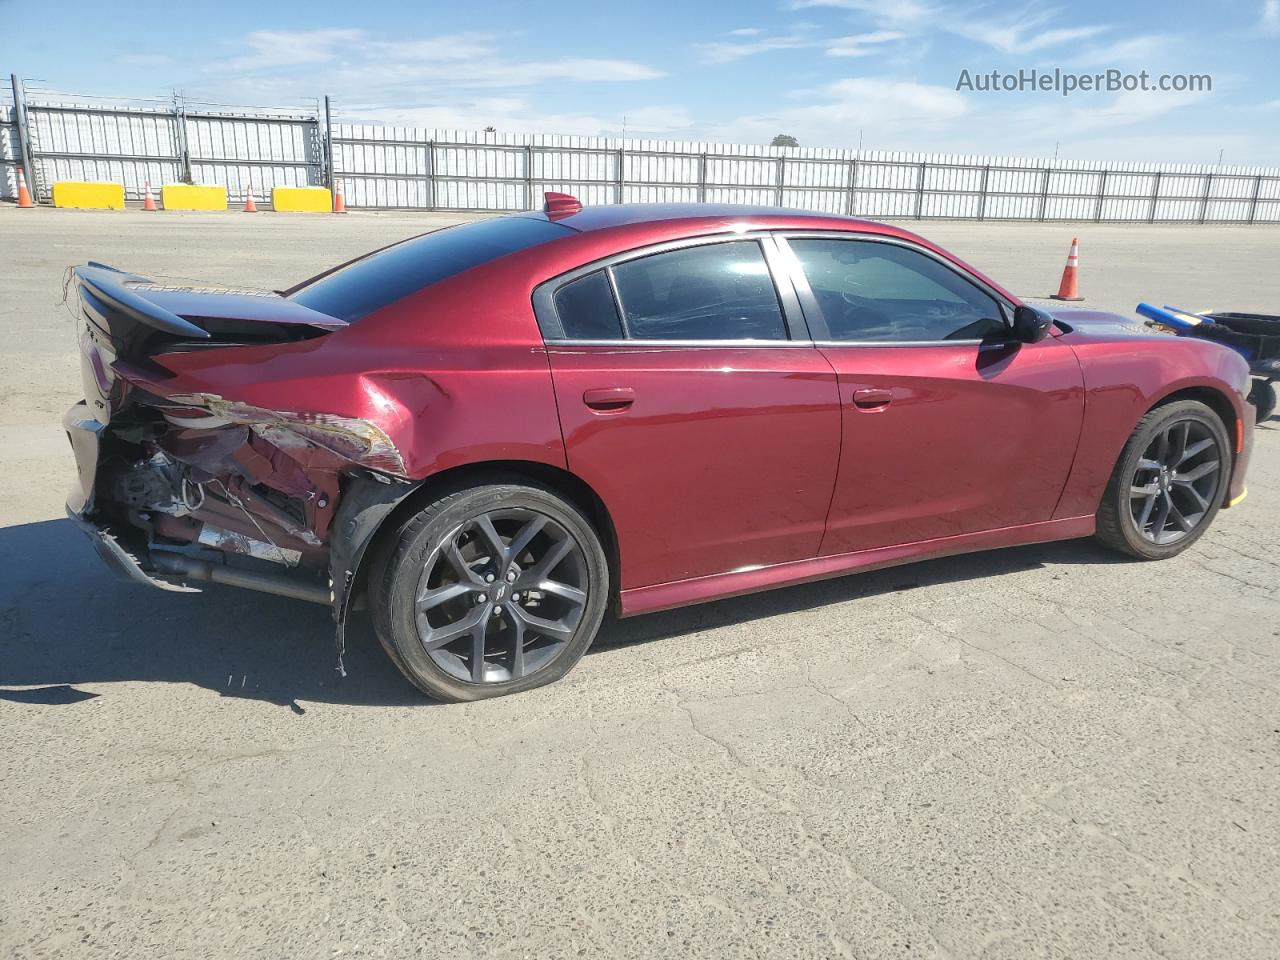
[120, 561]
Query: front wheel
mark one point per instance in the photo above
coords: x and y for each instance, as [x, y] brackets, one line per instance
[490, 590]
[1168, 483]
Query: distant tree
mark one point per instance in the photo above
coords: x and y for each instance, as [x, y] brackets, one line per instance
[784, 140]
[490, 129]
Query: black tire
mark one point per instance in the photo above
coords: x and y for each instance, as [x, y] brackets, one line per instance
[443, 550]
[1121, 514]
[1263, 397]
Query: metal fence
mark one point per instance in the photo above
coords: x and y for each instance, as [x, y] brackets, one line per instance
[401, 167]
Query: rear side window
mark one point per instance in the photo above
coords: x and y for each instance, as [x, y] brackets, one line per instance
[382, 278]
[717, 291]
[587, 309]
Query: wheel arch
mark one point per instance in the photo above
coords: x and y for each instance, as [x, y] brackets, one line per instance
[568, 485]
[1216, 400]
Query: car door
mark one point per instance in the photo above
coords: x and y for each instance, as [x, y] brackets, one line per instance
[694, 403]
[949, 426]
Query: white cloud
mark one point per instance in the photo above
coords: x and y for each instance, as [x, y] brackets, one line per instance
[1267, 106]
[746, 32]
[269, 49]
[727, 52]
[887, 107]
[1128, 108]
[890, 114]
[1270, 19]
[803, 37]
[1143, 50]
[905, 10]
[862, 44]
[1019, 31]
[1016, 33]
[1082, 124]
[361, 65]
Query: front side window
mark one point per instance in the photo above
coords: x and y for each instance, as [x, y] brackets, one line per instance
[881, 292]
[716, 291]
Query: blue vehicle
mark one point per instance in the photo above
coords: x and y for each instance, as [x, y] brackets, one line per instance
[1255, 336]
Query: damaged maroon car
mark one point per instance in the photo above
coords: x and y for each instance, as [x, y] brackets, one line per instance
[495, 432]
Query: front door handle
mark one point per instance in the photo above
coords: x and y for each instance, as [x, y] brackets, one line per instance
[872, 398]
[609, 399]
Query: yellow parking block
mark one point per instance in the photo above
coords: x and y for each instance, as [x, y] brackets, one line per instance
[88, 196]
[184, 196]
[301, 200]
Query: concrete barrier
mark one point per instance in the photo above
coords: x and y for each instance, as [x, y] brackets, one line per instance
[185, 196]
[80, 195]
[302, 200]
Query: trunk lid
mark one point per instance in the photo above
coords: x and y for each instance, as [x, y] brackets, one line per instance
[125, 319]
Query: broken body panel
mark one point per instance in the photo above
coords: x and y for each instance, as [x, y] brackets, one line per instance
[240, 436]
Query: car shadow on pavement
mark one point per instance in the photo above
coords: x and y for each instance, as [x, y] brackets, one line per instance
[958, 569]
[65, 620]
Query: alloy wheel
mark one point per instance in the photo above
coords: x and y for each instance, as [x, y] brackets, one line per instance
[501, 596]
[1175, 482]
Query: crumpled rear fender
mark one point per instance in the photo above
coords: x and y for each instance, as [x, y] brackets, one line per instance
[409, 412]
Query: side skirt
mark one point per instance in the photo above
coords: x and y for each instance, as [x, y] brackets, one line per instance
[717, 586]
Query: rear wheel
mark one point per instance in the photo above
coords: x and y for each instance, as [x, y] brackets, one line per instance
[1168, 483]
[490, 590]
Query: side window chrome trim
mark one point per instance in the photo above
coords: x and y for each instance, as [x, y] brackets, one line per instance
[881, 344]
[552, 329]
[641, 344]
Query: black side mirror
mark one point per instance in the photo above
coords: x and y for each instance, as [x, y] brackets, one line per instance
[1031, 324]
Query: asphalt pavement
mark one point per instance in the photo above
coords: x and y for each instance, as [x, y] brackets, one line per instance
[1039, 752]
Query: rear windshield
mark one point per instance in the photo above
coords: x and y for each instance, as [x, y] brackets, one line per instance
[382, 278]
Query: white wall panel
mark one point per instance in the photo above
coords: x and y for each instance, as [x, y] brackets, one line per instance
[394, 166]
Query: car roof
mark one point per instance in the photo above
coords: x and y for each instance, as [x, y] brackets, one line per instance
[617, 227]
[700, 215]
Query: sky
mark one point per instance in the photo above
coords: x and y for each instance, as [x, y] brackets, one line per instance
[880, 73]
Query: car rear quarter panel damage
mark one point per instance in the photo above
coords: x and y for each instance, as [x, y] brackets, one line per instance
[354, 420]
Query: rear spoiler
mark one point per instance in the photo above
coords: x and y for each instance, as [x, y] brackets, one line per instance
[107, 285]
[170, 308]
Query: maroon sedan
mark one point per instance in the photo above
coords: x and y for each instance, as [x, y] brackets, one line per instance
[492, 433]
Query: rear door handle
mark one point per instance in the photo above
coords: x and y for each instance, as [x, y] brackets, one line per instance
[609, 398]
[872, 398]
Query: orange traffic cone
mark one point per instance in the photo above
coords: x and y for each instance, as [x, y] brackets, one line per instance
[24, 195]
[249, 205]
[1069, 289]
[148, 201]
[339, 204]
